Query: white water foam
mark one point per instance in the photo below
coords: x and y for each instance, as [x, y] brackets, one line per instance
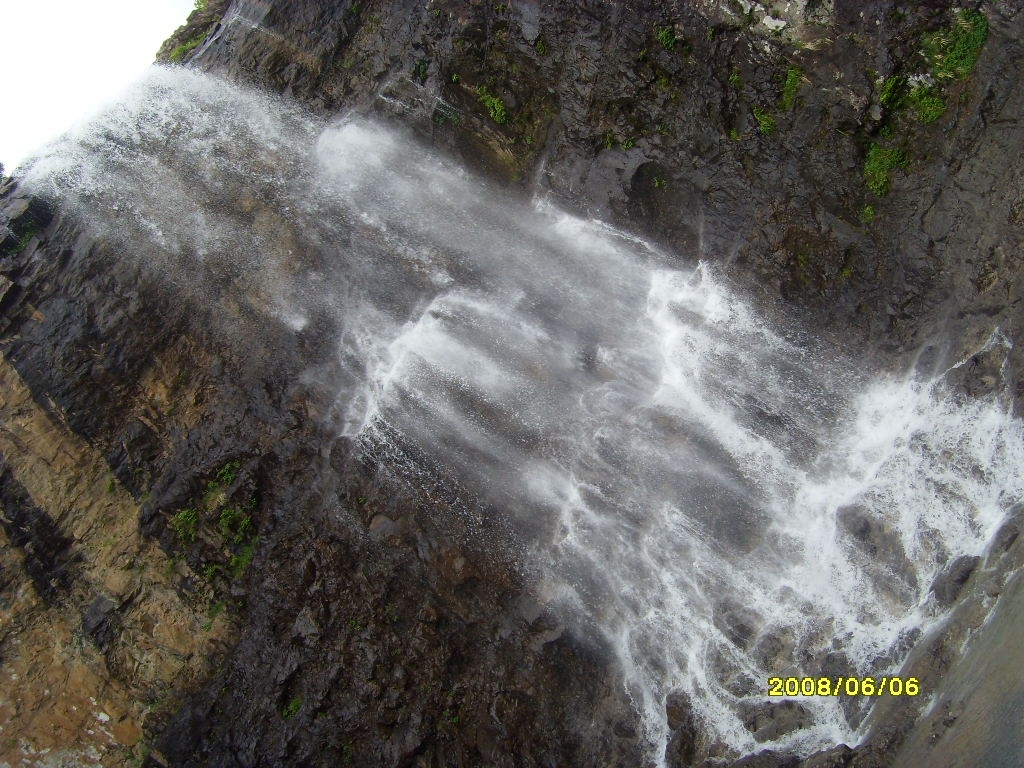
[715, 502]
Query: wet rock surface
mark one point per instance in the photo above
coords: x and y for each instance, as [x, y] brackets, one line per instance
[661, 134]
[370, 625]
[949, 583]
[358, 642]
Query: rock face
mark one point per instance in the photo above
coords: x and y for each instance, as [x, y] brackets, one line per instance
[222, 584]
[384, 644]
[734, 136]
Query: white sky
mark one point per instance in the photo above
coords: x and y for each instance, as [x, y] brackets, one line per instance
[64, 59]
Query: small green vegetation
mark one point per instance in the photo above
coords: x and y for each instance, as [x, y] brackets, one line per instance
[420, 72]
[240, 561]
[495, 107]
[765, 121]
[878, 164]
[528, 140]
[215, 610]
[455, 77]
[210, 571]
[734, 134]
[235, 525]
[450, 718]
[891, 94]
[954, 51]
[792, 85]
[185, 524]
[200, 5]
[735, 80]
[30, 231]
[629, 143]
[225, 476]
[659, 182]
[667, 37]
[184, 49]
[867, 215]
[291, 709]
[928, 103]
[541, 46]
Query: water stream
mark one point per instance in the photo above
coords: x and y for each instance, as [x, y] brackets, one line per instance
[715, 501]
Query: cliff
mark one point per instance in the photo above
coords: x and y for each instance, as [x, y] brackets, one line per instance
[841, 160]
[197, 571]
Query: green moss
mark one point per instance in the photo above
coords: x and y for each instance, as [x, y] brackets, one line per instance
[225, 476]
[735, 80]
[867, 215]
[291, 709]
[494, 105]
[734, 134]
[765, 121]
[419, 72]
[928, 103]
[215, 610]
[667, 37]
[234, 524]
[892, 91]
[186, 524]
[541, 46]
[184, 49]
[629, 143]
[30, 231]
[878, 165]
[954, 51]
[791, 87]
[240, 562]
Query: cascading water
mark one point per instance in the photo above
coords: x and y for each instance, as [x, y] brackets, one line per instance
[686, 483]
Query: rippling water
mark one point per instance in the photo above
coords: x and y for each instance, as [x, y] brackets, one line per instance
[712, 501]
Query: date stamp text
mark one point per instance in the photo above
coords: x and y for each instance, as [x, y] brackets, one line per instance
[845, 686]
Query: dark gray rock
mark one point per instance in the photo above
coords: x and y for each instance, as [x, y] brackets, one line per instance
[834, 758]
[947, 585]
[770, 720]
[51, 559]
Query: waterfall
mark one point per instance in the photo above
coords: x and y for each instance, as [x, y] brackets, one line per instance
[709, 498]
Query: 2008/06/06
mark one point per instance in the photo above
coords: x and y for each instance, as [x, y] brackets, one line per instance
[851, 686]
